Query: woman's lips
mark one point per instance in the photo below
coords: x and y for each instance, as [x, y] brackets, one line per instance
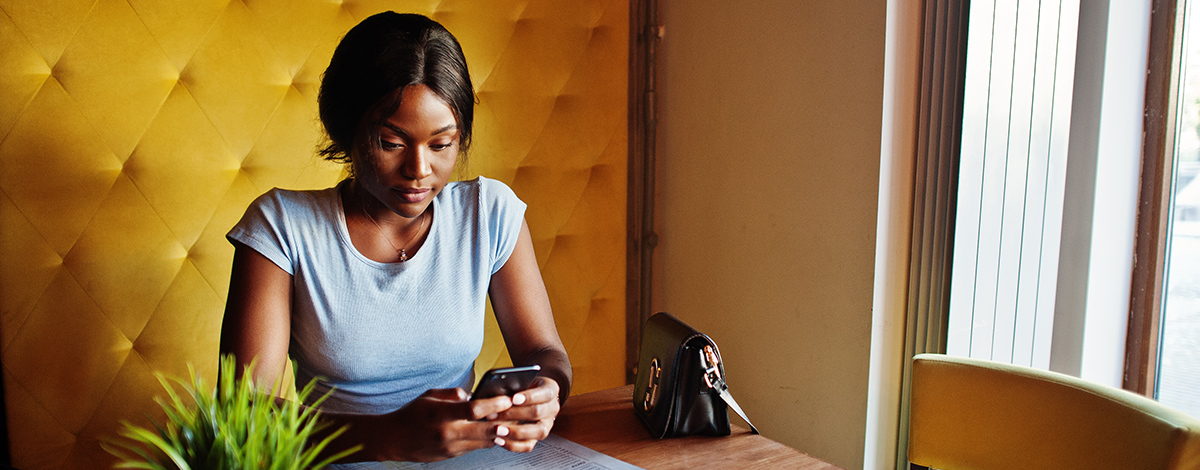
[412, 195]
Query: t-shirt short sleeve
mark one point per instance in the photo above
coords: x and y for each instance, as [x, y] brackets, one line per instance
[505, 214]
[262, 228]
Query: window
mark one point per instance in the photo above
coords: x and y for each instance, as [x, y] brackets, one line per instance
[1048, 211]
[1178, 377]
[1036, 251]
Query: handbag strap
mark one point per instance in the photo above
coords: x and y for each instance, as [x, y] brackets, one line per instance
[710, 361]
[723, 391]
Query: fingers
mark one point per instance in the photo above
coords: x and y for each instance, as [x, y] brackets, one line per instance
[530, 412]
[512, 436]
[474, 410]
[531, 417]
[535, 404]
[515, 423]
[489, 408]
[522, 437]
[526, 431]
[431, 427]
[543, 390]
[444, 423]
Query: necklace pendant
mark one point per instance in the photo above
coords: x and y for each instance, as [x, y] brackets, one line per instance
[403, 255]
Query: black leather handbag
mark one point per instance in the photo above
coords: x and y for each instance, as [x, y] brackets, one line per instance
[680, 388]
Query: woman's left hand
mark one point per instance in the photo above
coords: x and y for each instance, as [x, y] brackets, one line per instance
[531, 418]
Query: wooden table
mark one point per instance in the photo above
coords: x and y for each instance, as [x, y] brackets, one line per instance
[604, 421]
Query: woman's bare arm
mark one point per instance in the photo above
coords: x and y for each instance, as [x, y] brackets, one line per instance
[523, 312]
[257, 324]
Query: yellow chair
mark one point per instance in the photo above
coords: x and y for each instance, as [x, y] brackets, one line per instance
[970, 414]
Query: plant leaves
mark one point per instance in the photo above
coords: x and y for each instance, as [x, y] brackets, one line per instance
[231, 426]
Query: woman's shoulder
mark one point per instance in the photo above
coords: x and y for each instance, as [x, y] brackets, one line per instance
[481, 190]
[289, 200]
[286, 198]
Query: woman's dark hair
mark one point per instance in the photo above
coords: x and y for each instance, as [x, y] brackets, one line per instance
[370, 68]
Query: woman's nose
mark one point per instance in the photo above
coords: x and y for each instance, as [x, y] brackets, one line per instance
[417, 164]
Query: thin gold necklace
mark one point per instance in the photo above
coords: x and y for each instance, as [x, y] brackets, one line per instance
[399, 251]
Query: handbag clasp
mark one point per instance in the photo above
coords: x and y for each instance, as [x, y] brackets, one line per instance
[651, 397]
[710, 362]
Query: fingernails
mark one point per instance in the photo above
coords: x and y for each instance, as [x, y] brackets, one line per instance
[493, 416]
[501, 430]
[498, 441]
[518, 399]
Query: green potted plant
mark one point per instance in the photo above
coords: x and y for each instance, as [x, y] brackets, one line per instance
[232, 427]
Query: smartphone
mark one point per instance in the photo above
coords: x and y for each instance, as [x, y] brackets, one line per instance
[505, 381]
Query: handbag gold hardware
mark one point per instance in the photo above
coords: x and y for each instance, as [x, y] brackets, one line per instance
[652, 391]
[709, 362]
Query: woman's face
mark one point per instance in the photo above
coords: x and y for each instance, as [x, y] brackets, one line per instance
[418, 148]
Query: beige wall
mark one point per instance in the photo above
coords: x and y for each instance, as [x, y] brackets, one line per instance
[768, 180]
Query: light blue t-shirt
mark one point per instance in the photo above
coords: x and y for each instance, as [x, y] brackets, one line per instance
[381, 334]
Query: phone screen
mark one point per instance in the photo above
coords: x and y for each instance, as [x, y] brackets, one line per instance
[505, 381]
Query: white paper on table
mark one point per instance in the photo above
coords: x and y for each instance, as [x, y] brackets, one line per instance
[552, 453]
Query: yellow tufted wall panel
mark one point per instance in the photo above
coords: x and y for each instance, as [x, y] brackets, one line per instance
[133, 133]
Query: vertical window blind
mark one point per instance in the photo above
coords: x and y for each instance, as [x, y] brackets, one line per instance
[1016, 118]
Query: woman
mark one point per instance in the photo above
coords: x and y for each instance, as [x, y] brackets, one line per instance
[377, 285]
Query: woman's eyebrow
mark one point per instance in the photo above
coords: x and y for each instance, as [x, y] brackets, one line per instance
[404, 133]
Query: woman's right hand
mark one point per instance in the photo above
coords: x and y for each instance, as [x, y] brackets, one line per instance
[440, 424]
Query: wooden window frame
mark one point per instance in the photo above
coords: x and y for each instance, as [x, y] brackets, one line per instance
[644, 34]
[1149, 263]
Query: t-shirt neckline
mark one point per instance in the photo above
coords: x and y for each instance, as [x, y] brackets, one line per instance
[344, 233]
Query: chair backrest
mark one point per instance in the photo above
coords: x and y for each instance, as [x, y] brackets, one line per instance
[970, 414]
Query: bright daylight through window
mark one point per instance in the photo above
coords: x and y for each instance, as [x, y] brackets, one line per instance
[1012, 210]
[1179, 366]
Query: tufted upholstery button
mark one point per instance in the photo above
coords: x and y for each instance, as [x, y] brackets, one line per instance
[134, 134]
[119, 95]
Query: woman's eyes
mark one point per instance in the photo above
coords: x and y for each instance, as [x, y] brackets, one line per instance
[390, 146]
